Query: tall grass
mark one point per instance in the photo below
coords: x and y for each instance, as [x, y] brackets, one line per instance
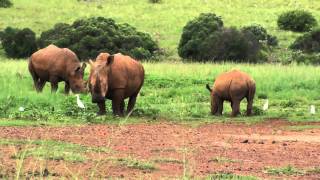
[171, 90]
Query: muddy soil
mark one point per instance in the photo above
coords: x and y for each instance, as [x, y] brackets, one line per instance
[174, 150]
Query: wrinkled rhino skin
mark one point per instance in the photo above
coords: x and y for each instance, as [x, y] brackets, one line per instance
[232, 86]
[53, 64]
[115, 77]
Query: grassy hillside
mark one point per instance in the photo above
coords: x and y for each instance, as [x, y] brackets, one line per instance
[163, 21]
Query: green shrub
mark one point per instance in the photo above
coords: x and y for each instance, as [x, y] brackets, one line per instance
[88, 37]
[297, 21]
[205, 39]
[231, 44]
[261, 34]
[5, 3]
[18, 43]
[309, 59]
[155, 1]
[308, 43]
[195, 32]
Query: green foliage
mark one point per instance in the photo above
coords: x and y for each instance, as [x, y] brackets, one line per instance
[261, 34]
[195, 32]
[51, 150]
[133, 163]
[297, 21]
[155, 1]
[223, 176]
[309, 59]
[18, 43]
[205, 39]
[88, 37]
[5, 3]
[288, 170]
[308, 42]
[166, 94]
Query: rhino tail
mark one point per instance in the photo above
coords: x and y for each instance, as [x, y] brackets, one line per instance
[252, 89]
[208, 87]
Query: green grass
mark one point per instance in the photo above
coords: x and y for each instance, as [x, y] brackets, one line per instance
[223, 176]
[173, 91]
[223, 160]
[303, 127]
[167, 160]
[133, 163]
[288, 170]
[164, 21]
[51, 150]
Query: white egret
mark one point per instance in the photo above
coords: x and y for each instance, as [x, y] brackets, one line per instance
[79, 103]
[266, 105]
[21, 109]
[312, 109]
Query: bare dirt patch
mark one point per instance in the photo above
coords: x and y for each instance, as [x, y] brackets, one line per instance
[168, 150]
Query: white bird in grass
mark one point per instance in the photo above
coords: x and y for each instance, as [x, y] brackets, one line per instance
[79, 103]
[21, 109]
[312, 109]
[266, 105]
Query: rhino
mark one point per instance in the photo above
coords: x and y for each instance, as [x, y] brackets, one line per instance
[115, 77]
[232, 86]
[53, 64]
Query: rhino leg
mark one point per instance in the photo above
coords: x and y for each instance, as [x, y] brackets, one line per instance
[220, 107]
[235, 108]
[249, 107]
[67, 88]
[117, 99]
[102, 108]
[122, 105]
[40, 84]
[132, 102]
[54, 84]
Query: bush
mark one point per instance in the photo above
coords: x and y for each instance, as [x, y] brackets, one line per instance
[309, 59]
[231, 44]
[308, 43]
[195, 32]
[261, 34]
[88, 37]
[297, 21]
[5, 3]
[155, 1]
[205, 39]
[18, 43]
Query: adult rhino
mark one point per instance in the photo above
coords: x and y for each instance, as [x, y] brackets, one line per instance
[115, 77]
[53, 64]
[232, 86]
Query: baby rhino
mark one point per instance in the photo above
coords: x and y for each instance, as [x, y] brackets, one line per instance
[232, 86]
[55, 64]
[115, 77]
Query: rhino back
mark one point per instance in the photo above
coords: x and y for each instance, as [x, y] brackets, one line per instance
[232, 83]
[126, 73]
[53, 61]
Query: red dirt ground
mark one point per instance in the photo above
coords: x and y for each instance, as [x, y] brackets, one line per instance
[253, 147]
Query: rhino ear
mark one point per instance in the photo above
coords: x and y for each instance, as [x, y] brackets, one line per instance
[91, 63]
[110, 60]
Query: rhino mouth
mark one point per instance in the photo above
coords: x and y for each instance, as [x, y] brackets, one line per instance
[97, 98]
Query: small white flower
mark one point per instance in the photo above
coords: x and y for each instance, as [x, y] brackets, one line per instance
[21, 109]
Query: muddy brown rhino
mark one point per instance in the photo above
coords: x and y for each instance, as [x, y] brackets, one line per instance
[53, 64]
[115, 77]
[232, 86]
